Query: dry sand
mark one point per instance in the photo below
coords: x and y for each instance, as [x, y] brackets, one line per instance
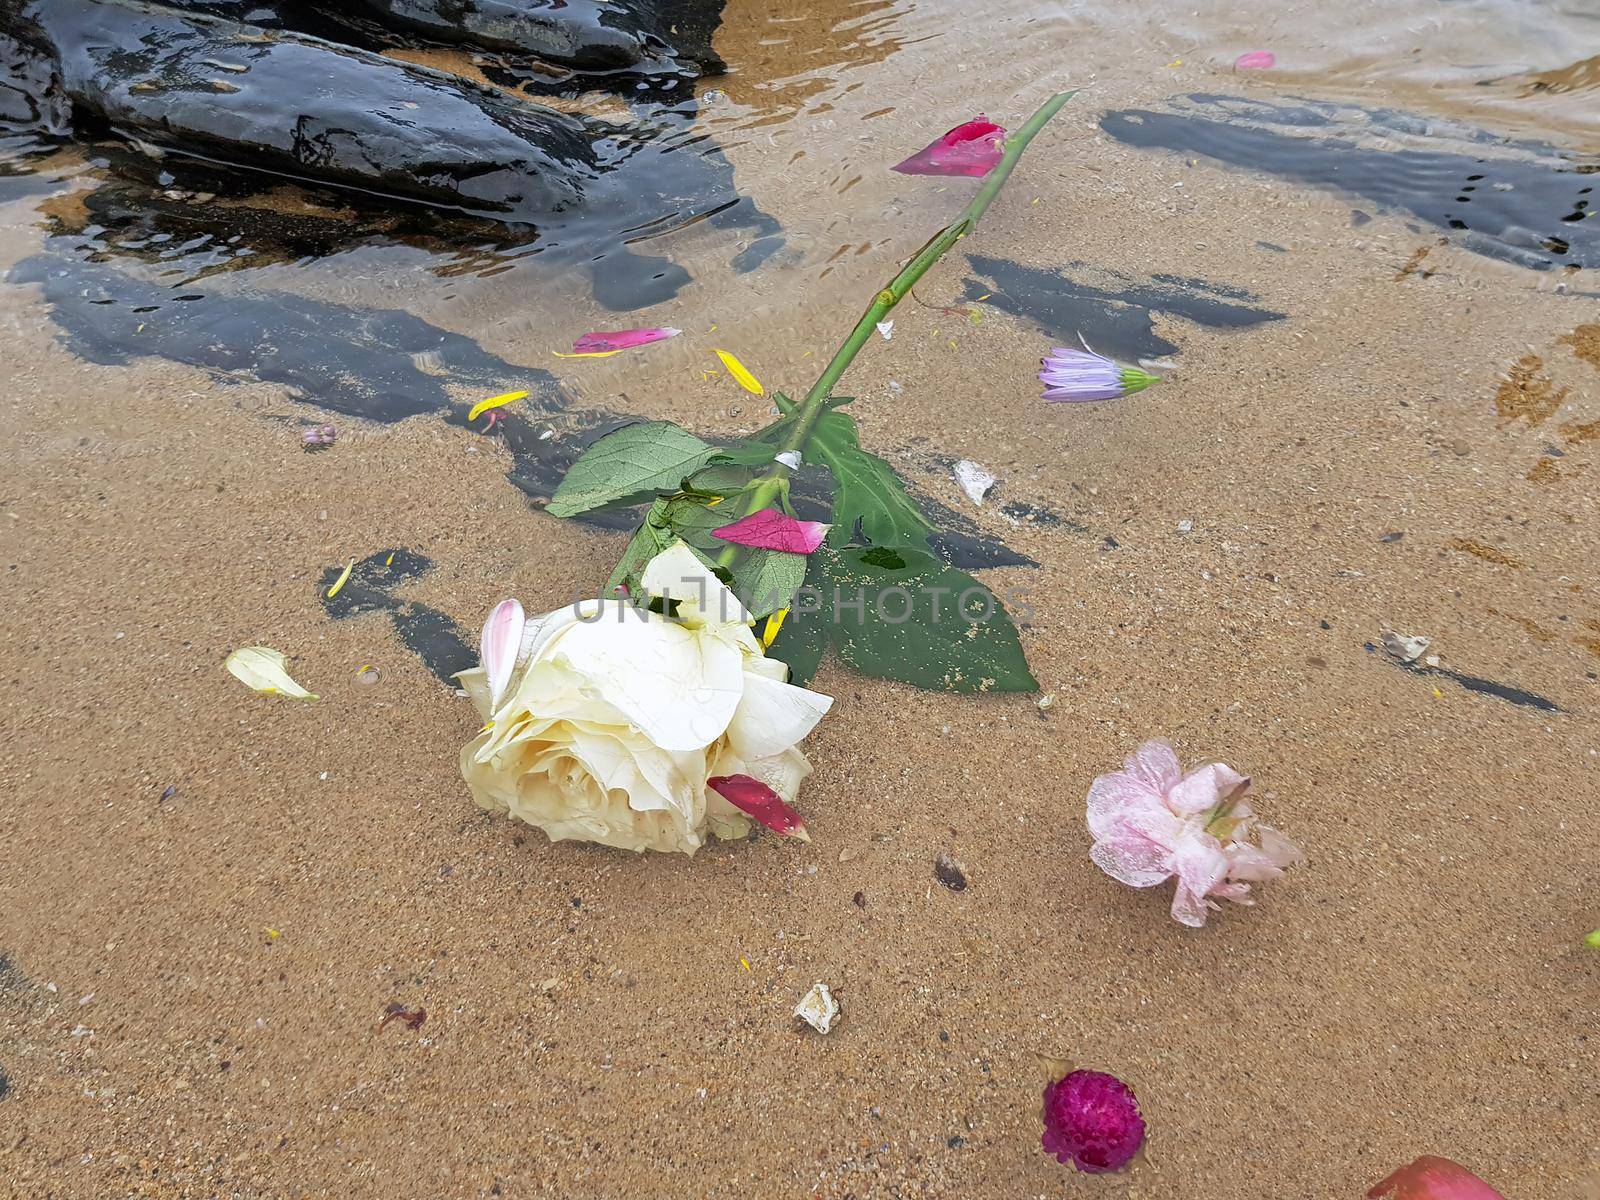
[195, 983]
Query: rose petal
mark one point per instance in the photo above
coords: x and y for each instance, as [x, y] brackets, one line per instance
[1434, 1178]
[620, 339]
[755, 799]
[1255, 60]
[772, 716]
[499, 644]
[973, 149]
[770, 529]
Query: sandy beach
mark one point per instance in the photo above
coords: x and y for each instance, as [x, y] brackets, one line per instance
[1371, 422]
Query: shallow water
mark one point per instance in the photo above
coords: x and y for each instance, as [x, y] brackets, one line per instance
[1370, 275]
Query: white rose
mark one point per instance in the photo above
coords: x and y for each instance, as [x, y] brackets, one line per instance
[613, 718]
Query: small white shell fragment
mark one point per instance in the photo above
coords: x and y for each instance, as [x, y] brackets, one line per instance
[789, 458]
[818, 1009]
[1185, 525]
[1406, 647]
[887, 329]
[974, 480]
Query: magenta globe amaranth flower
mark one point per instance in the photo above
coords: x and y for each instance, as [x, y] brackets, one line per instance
[1092, 1121]
[1075, 376]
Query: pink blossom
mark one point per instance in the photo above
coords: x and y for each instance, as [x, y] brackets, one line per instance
[1152, 823]
[1434, 1178]
[1092, 1120]
[769, 529]
[973, 149]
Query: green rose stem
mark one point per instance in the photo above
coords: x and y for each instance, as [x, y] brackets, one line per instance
[770, 486]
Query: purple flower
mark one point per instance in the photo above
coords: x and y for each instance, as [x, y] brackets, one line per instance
[1073, 376]
[318, 436]
[1092, 1120]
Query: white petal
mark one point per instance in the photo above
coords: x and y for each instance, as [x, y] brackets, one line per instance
[702, 599]
[773, 716]
[678, 685]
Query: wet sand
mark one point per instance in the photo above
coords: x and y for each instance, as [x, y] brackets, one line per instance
[196, 980]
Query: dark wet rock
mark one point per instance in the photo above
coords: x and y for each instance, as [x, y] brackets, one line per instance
[383, 365]
[586, 34]
[428, 633]
[1518, 200]
[1108, 310]
[308, 108]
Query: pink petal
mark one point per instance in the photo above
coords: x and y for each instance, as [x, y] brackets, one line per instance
[1114, 797]
[621, 339]
[1133, 860]
[1189, 909]
[1250, 864]
[1278, 848]
[1199, 863]
[1156, 763]
[755, 799]
[1434, 1178]
[1256, 60]
[1206, 787]
[770, 529]
[498, 647]
[973, 149]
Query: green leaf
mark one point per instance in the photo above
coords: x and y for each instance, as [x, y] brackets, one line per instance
[693, 520]
[745, 454]
[921, 622]
[629, 466]
[866, 489]
[649, 540]
[766, 580]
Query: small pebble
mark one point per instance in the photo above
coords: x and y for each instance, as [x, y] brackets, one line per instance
[818, 1008]
[948, 872]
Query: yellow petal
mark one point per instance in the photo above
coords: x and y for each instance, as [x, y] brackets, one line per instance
[389, 562]
[737, 369]
[344, 577]
[774, 623]
[586, 354]
[265, 670]
[483, 406]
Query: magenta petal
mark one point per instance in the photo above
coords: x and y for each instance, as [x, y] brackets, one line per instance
[1256, 60]
[755, 799]
[498, 647]
[770, 529]
[973, 149]
[620, 339]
